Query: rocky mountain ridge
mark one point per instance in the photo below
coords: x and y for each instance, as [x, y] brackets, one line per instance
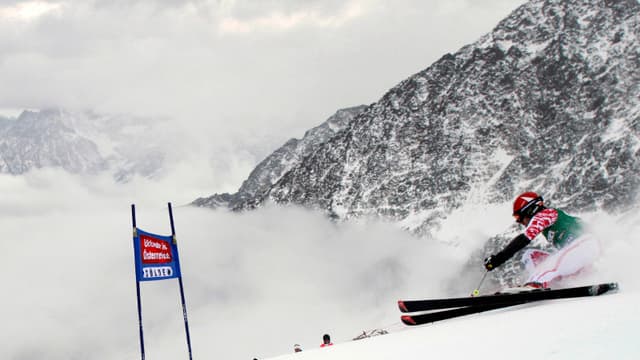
[547, 101]
[270, 170]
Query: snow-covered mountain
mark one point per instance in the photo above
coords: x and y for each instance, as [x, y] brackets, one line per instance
[547, 101]
[43, 139]
[78, 142]
[291, 154]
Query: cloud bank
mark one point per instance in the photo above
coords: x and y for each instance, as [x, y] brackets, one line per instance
[256, 283]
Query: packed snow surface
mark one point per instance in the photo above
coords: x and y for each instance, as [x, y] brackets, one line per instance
[588, 328]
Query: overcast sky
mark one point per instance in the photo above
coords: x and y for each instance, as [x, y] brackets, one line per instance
[232, 67]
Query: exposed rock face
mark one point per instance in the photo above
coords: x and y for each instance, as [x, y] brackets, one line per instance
[281, 161]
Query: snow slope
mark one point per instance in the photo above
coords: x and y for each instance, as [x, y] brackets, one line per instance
[594, 328]
[603, 327]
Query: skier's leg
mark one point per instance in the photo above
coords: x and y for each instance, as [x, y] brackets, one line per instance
[567, 261]
[531, 258]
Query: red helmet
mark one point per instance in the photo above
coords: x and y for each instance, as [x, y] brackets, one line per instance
[527, 204]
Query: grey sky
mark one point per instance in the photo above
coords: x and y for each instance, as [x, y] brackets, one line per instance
[246, 74]
[283, 63]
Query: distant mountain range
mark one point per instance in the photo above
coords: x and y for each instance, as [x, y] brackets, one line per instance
[79, 142]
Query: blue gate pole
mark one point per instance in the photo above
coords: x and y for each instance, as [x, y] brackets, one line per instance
[135, 234]
[184, 306]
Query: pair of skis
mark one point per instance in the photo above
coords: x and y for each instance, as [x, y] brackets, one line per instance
[455, 307]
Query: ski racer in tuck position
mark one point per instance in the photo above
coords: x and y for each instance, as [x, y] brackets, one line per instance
[575, 249]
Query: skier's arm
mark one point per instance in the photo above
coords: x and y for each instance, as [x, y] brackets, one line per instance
[517, 244]
[541, 221]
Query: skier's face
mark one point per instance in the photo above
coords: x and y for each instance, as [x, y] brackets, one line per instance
[521, 220]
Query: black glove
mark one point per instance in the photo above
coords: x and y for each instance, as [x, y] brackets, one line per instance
[517, 244]
[490, 263]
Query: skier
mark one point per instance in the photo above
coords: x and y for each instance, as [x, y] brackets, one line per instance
[297, 348]
[575, 249]
[326, 341]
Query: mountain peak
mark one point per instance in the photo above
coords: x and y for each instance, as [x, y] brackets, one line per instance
[548, 101]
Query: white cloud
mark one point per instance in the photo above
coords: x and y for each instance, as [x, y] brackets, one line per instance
[279, 21]
[69, 269]
[29, 10]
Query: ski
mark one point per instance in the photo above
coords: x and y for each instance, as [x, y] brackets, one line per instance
[420, 319]
[507, 298]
